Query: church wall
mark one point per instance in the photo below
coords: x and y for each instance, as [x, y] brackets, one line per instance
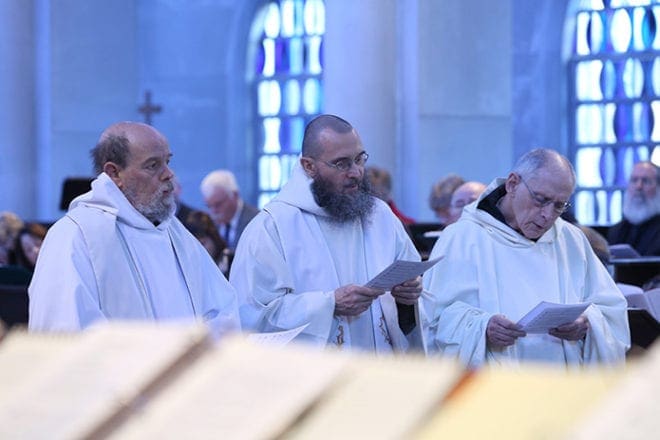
[433, 86]
[17, 142]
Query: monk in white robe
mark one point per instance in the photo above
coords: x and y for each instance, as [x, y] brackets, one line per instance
[304, 259]
[509, 251]
[120, 253]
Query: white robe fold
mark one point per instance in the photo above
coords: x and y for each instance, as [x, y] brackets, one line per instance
[489, 268]
[286, 269]
[104, 260]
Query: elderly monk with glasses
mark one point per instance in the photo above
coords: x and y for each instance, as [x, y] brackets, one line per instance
[305, 258]
[509, 251]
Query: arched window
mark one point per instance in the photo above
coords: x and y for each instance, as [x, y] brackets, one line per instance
[614, 100]
[285, 76]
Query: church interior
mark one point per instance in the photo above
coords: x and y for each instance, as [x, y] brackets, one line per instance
[433, 87]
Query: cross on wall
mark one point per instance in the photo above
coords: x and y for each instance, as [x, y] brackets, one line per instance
[148, 108]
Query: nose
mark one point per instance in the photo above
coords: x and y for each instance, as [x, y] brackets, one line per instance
[168, 174]
[355, 170]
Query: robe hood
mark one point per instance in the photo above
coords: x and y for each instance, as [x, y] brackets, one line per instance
[106, 196]
[298, 192]
[500, 231]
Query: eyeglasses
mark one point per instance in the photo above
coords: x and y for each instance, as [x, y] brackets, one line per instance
[542, 202]
[346, 163]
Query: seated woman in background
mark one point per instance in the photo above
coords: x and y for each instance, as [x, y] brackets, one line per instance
[27, 246]
[202, 227]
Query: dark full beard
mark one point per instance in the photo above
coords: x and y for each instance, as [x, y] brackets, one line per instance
[158, 208]
[637, 211]
[343, 208]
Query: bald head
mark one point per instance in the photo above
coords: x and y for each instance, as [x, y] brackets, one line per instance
[313, 143]
[117, 142]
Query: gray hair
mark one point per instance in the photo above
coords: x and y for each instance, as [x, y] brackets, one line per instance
[218, 179]
[538, 158]
[111, 148]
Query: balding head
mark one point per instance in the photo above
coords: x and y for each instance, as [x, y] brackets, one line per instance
[313, 139]
[116, 143]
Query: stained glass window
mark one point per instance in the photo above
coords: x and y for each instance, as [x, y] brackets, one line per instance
[285, 73]
[614, 100]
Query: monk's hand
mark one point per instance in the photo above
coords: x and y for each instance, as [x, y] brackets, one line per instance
[501, 332]
[408, 292]
[352, 300]
[574, 331]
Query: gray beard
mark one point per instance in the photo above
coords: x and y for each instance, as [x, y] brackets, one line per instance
[157, 209]
[637, 211]
[343, 208]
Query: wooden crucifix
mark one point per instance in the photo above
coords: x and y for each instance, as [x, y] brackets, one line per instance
[148, 108]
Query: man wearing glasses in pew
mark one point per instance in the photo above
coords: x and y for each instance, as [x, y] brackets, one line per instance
[509, 251]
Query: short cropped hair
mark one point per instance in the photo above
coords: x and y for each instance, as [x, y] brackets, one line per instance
[218, 179]
[311, 146]
[532, 161]
[110, 148]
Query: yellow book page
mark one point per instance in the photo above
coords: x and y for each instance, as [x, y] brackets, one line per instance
[534, 402]
[380, 398]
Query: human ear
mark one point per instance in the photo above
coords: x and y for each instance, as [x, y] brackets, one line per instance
[308, 165]
[112, 170]
[511, 182]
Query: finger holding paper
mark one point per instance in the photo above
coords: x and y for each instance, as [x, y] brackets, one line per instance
[573, 331]
[502, 332]
[408, 292]
[351, 300]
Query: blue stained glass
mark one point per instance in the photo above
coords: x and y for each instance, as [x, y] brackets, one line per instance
[655, 77]
[608, 80]
[288, 65]
[649, 29]
[281, 55]
[647, 66]
[655, 116]
[607, 167]
[292, 96]
[623, 122]
[260, 60]
[621, 175]
[296, 56]
[632, 77]
[643, 118]
[595, 31]
[581, 41]
[620, 30]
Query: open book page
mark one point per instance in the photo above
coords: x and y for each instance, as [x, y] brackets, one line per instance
[631, 410]
[239, 390]
[24, 355]
[546, 316]
[276, 339]
[527, 403]
[400, 271]
[98, 378]
[380, 398]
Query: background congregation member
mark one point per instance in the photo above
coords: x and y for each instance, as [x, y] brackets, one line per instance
[508, 252]
[640, 227]
[381, 186]
[226, 207]
[119, 252]
[440, 197]
[306, 256]
[463, 196]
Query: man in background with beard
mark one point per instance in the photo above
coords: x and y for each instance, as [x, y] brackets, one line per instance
[305, 258]
[119, 252]
[640, 227]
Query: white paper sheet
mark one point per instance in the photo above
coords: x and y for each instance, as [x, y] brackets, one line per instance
[276, 339]
[400, 271]
[548, 315]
